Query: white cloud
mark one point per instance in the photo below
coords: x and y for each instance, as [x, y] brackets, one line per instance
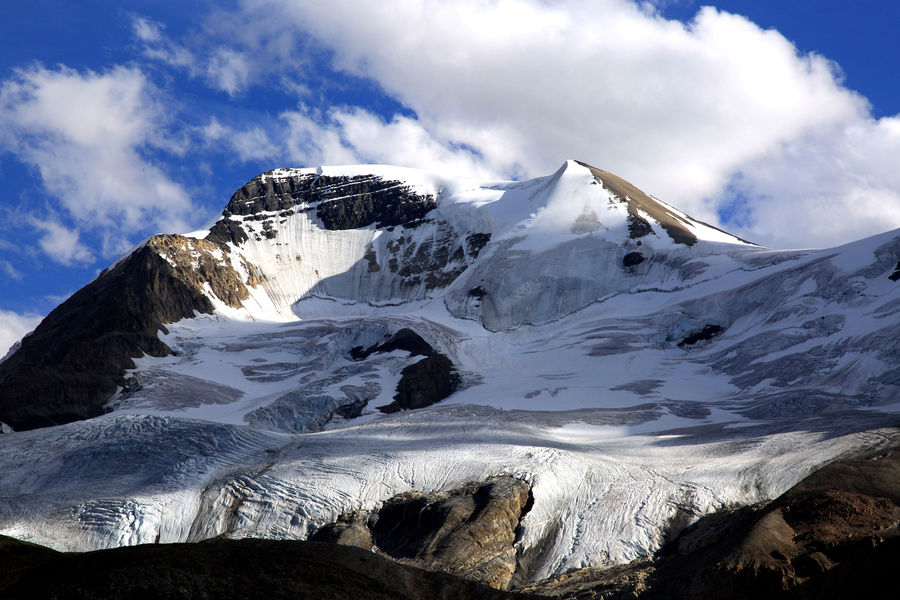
[229, 71]
[13, 326]
[310, 141]
[248, 144]
[832, 185]
[355, 135]
[61, 243]
[157, 46]
[679, 109]
[404, 141]
[90, 137]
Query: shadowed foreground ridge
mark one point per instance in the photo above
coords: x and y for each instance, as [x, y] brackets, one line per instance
[223, 569]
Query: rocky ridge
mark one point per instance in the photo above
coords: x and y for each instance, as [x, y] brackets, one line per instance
[75, 359]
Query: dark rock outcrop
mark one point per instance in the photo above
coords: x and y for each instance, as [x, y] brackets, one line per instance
[895, 276]
[226, 231]
[346, 202]
[632, 259]
[469, 531]
[244, 569]
[424, 383]
[475, 242]
[405, 339]
[74, 360]
[707, 333]
[638, 226]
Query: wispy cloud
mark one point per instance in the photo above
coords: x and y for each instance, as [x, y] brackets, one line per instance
[224, 68]
[157, 45]
[90, 136]
[251, 144]
[61, 243]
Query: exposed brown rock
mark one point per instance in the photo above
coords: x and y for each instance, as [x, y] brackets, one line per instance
[196, 264]
[350, 529]
[469, 531]
[636, 200]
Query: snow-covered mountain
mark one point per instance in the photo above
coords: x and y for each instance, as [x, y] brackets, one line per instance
[343, 335]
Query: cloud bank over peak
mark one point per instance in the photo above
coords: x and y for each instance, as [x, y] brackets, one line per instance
[716, 115]
[683, 109]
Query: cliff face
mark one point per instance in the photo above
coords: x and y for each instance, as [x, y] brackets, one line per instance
[340, 202]
[470, 531]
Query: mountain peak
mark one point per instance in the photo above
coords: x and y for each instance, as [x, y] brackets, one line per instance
[504, 254]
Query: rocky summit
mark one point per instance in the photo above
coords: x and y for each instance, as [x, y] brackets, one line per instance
[557, 387]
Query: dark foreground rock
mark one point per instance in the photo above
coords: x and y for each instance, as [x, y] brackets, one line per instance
[244, 569]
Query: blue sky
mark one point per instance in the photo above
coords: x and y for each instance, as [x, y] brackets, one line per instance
[119, 120]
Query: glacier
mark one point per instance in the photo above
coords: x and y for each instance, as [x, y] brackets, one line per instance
[637, 367]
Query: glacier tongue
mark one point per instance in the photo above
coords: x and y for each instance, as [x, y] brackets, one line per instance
[637, 367]
[601, 497]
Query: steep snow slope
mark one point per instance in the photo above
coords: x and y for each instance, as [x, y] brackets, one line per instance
[637, 367]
